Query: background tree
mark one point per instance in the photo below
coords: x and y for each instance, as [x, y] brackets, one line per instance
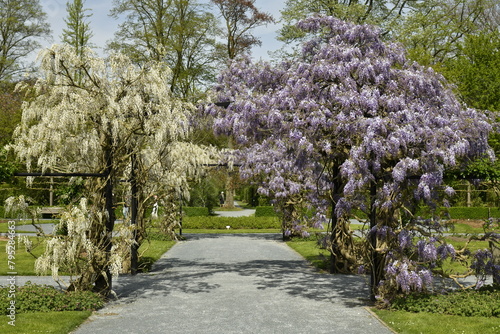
[476, 71]
[378, 12]
[21, 24]
[351, 123]
[240, 18]
[432, 31]
[96, 124]
[179, 32]
[10, 109]
[78, 33]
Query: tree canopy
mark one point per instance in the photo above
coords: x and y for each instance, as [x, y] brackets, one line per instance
[240, 18]
[21, 23]
[179, 33]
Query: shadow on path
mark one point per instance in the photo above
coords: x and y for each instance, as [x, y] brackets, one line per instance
[293, 276]
[235, 284]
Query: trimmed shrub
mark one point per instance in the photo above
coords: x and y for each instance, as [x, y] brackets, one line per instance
[473, 212]
[235, 222]
[265, 211]
[195, 211]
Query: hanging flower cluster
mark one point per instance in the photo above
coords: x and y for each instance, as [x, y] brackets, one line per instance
[346, 113]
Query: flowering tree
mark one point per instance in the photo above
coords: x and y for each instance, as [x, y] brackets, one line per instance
[92, 115]
[350, 123]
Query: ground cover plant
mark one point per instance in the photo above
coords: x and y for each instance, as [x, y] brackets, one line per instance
[44, 298]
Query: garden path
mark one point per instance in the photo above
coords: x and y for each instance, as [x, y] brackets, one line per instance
[252, 283]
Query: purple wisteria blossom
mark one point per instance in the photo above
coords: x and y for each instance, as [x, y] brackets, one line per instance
[407, 276]
[347, 114]
[483, 266]
[405, 240]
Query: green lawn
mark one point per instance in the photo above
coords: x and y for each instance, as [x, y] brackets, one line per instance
[24, 261]
[151, 251]
[44, 322]
[429, 323]
[311, 252]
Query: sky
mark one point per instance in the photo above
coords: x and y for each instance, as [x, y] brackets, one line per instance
[104, 27]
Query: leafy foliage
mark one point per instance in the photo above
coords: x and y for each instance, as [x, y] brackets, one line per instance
[77, 32]
[44, 298]
[240, 17]
[195, 211]
[178, 33]
[482, 303]
[22, 23]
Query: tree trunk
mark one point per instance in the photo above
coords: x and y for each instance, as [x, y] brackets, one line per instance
[103, 283]
[376, 257]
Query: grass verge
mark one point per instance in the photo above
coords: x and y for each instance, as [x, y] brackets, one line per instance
[25, 262]
[150, 251]
[311, 252]
[44, 322]
[423, 323]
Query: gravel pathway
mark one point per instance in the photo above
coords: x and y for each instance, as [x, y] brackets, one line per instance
[235, 284]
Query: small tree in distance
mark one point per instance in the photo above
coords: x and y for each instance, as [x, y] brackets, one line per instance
[78, 31]
[350, 123]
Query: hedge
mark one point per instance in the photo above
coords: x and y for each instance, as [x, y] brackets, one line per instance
[214, 222]
[457, 212]
[265, 211]
[195, 211]
[473, 212]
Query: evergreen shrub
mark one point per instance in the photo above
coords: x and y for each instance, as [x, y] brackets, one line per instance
[190, 211]
[265, 211]
[212, 222]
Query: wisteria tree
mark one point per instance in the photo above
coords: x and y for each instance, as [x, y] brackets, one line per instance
[350, 123]
[108, 116]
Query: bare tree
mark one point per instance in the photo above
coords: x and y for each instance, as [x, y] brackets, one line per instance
[240, 17]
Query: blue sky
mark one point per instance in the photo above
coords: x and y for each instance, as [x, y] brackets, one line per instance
[104, 26]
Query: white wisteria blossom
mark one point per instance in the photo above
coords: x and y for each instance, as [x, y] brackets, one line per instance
[95, 115]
